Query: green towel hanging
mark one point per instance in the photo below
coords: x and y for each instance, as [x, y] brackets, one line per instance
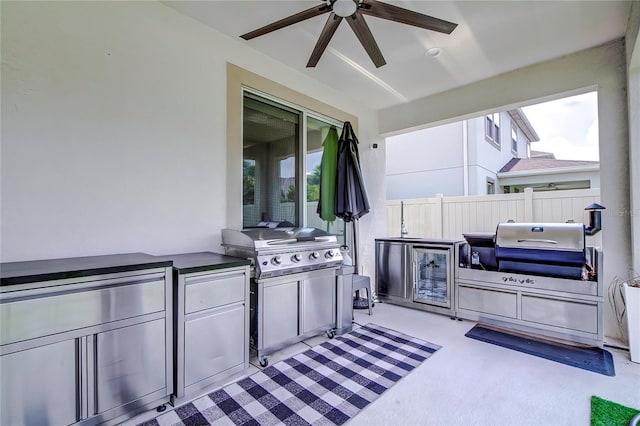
[328, 168]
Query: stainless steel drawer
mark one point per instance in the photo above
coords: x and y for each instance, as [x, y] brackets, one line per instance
[44, 314]
[213, 290]
[214, 344]
[560, 313]
[487, 301]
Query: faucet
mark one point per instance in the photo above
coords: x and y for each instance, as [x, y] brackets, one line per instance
[403, 226]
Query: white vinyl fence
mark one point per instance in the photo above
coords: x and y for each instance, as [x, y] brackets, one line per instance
[450, 217]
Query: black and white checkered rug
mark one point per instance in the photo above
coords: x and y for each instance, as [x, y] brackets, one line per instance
[327, 384]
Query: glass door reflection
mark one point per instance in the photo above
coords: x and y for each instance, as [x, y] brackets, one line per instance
[431, 276]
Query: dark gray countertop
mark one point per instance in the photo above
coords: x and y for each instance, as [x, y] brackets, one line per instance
[419, 240]
[203, 261]
[13, 273]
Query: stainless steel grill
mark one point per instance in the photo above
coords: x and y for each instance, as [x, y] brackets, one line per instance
[536, 278]
[293, 287]
[282, 251]
[556, 249]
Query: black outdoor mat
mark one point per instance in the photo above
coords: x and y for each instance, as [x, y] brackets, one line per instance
[591, 359]
[327, 384]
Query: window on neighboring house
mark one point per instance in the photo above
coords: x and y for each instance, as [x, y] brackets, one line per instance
[491, 186]
[492, 127]
[514, 140]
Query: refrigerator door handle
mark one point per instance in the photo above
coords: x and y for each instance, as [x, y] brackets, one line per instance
[414, 281]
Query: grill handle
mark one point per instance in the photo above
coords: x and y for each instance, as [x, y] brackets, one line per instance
[535, 240]
[298, 240]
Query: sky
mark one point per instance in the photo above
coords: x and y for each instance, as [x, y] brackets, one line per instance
[567, 127]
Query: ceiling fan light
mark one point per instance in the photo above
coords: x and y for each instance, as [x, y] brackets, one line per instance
[344, 8]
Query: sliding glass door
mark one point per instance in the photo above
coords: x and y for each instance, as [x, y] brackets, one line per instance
[282, 152]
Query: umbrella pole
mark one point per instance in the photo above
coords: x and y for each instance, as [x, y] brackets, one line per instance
[354, 245]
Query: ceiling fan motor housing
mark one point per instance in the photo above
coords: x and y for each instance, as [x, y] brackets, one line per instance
[344, 8]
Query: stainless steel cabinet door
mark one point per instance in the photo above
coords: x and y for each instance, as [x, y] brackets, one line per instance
[213, 344]
[391, 269]
[130, 363]
[39, 385]
[318, 302]
[279, 317]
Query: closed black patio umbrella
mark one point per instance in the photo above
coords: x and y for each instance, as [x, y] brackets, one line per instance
[351, 202]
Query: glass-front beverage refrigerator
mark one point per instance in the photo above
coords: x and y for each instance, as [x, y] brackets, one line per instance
[417, 272]
[432, 280]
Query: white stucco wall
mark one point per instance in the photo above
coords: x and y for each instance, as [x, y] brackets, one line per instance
[603, 67]
[523, 142]
[114, 130]
[633, 74]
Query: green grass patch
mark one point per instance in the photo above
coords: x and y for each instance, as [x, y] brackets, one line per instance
[608, 413]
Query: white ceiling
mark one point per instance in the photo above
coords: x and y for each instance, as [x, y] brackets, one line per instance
[492, 37]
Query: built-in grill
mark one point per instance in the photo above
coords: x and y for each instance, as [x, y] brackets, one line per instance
[293, 284]
[282, 251]
[535, 278]
[552, 249]
[548, 249]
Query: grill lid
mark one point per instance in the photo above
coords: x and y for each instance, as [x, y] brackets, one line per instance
[541, 236]
[276, 238]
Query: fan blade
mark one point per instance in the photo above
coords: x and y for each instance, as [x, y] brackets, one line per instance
[290, 20]
[323, 41]
[405, 16]
[362, 31]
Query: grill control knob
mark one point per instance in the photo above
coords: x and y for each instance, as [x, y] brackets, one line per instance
[276, 260]
[296, 257]
[314, 255]
[329, 254]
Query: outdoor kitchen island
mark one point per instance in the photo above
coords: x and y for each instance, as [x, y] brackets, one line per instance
[85, 340]
[559, 308]
[461, 279]
[536, 278]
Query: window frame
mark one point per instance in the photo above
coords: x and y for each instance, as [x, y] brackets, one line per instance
[492, 125]
[237, 79]
[491, 183]
[301, 153]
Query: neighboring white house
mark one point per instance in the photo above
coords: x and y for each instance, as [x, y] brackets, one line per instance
[483, 155]
[548, 174]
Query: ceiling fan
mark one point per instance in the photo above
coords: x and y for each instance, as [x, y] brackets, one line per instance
[353, 11]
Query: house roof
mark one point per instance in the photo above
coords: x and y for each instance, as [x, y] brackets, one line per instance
[521, 164]
[519, 117]
[542, 154]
